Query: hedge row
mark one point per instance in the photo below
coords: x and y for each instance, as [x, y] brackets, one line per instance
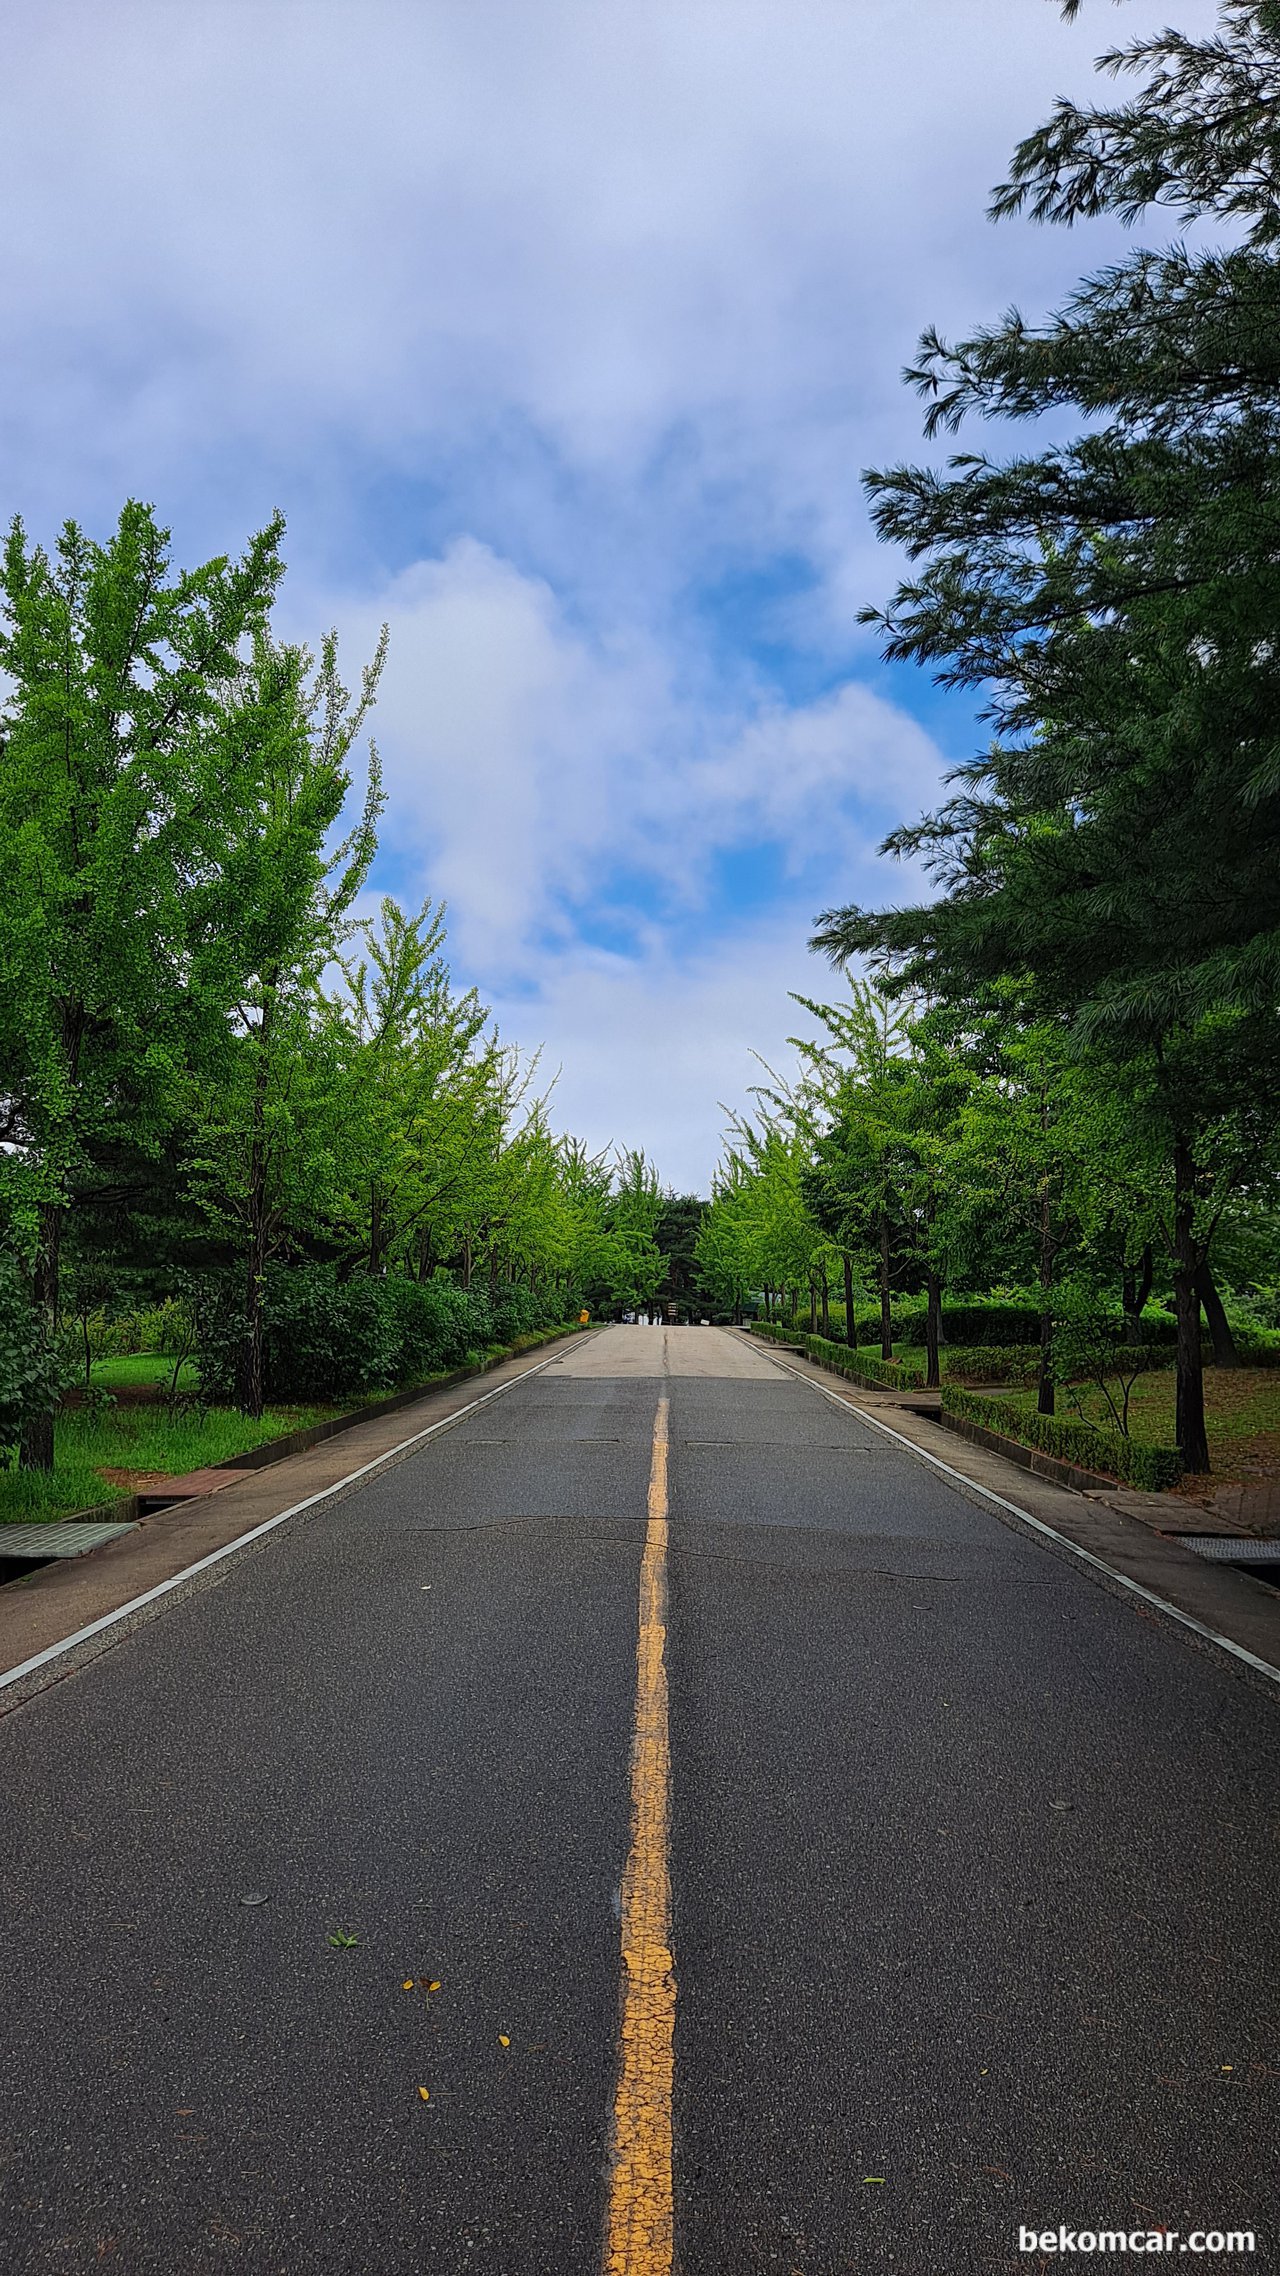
[326, 1338]
[1018, 1363]
[992, 1363]
[890, 1374]
[1153, 1468]
[1000, 1321]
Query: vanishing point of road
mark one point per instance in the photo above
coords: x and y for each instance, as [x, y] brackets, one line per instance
[659, 1824]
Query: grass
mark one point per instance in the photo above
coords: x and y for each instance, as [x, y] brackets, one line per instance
[136, 1442]
[135, 1370]
[145, 1440]
[1242, 1416]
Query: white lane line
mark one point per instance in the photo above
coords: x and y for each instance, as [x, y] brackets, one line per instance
[255, 1533]
[1024, 1517]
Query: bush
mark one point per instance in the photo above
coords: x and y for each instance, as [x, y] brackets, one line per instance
[991, 1363]
[326, 1339]
[31, 1375]
[1258, 1347]
[863, 1367]
[1153, 1468]
[891, 1374]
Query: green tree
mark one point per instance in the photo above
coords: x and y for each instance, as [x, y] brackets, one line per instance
[261, 1143]
[123, 766]
[1116, 852]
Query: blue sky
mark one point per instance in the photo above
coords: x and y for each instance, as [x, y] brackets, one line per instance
[561, 330]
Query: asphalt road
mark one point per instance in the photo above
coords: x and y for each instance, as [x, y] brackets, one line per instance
[973, 1872]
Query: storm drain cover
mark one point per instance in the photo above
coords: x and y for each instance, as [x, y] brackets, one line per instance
[1228, 1549]
[54, 1540]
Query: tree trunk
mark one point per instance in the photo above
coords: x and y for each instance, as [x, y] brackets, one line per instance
[1191, 1433]
[1224, 1343]
[886, 1308]
[35, 1450]
[466, 1262]
[1136, 1288]
[850, 1323]
[813, 1306]
[1045, 1399]
[825, 1287]
[933, 1331]
[252, 1386]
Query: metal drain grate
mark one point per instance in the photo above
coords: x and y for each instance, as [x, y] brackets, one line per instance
[1228, 1549]
[54, 1539]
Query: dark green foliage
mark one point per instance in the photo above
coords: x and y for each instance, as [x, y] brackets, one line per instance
[435, 1325]
[992, 1363]
[1151, 1468]
[31, 1372]
[327, 1339]
[676, 1236]
[860, 1366]
[974, 1320]
[516, 1311]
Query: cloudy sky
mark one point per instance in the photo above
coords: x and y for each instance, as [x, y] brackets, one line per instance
[561, 330]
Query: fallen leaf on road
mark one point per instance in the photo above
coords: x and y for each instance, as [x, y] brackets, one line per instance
[435, 1986]
[503, 2040]
[877, 2178]
[425, 2093]
[343, 1941]
[407, 1985]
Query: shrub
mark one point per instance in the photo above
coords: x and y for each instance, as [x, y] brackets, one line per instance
[887, 1374]
[1152, 1468]
[862, 1366]
[31, 1375]
[326, 1338]
[991, 1363]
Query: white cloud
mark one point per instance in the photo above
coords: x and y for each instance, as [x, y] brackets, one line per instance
[582, 310]
[532, 769]
[649, 1051]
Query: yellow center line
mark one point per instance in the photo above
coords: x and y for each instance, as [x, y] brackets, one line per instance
[639, 2236]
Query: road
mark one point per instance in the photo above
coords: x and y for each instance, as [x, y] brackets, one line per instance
[971, 1871]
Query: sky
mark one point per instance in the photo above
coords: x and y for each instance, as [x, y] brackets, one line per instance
[562, 332]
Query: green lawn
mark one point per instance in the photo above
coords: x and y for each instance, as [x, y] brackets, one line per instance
[136, 1441]
[1242, 1414]
[139, 1440]
[130, 1370]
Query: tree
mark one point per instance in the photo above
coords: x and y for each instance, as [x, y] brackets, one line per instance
[264, 1109]
[1116, 852]
[123, 766]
